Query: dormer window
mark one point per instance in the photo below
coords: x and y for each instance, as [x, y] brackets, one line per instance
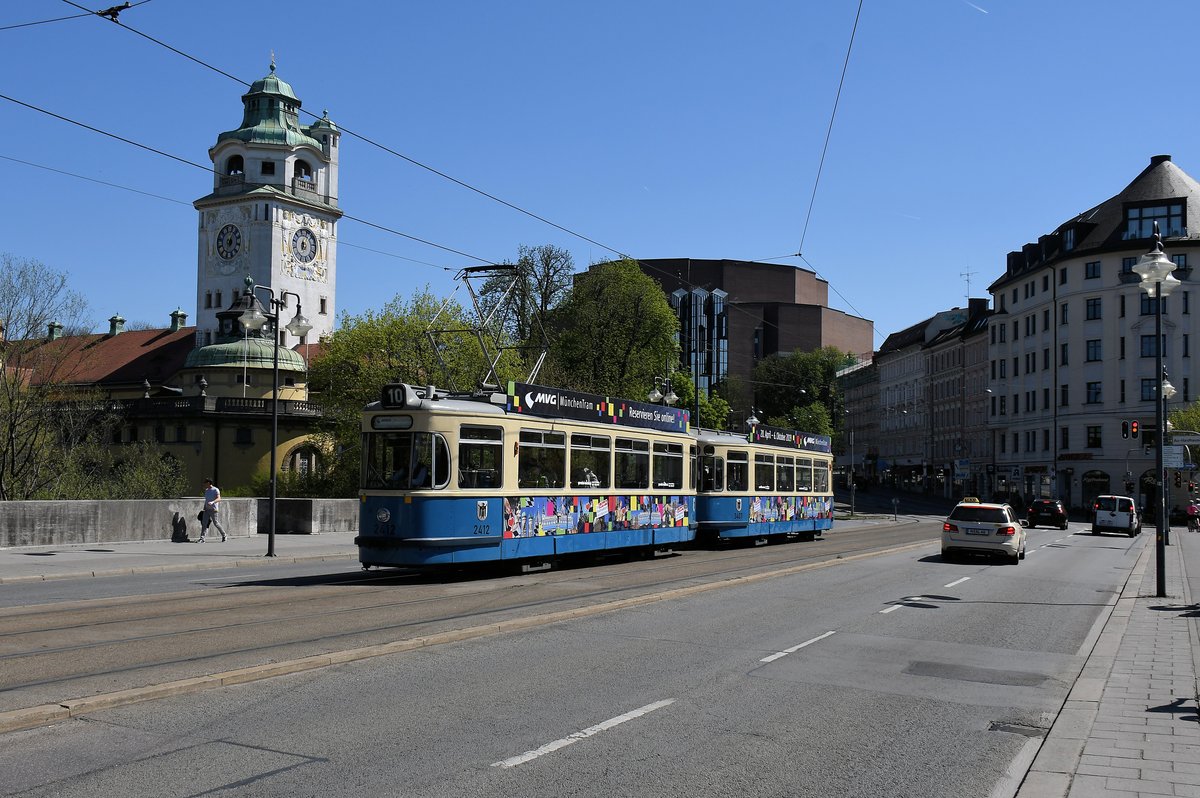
[1139, 221]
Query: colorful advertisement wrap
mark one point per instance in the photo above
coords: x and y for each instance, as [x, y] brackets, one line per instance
[539, 400]
[790, 439]
[790, 508]
[535, 516]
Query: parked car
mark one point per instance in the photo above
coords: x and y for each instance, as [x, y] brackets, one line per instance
[1116, 514]
[979, 528]
[1047, 512]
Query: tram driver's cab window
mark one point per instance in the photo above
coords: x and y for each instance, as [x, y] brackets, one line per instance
[542, 459]
[407, 461]
[764, 472]
[590, 458]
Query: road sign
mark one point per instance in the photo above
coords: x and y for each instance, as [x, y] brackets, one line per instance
[1172, 456]
[1185, 438]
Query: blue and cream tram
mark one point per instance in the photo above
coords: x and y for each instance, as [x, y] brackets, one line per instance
[772, 482]
[531, 475]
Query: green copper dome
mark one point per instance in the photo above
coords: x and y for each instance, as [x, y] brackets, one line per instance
[270, 116]
[251, 352]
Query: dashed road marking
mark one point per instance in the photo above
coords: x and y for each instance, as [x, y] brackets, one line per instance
[794, 649]
[957, 582]
[521, 759]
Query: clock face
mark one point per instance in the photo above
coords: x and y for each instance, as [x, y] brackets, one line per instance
[229, 242]
[304, 245]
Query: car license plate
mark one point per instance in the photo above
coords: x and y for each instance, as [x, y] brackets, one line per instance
[977, 531]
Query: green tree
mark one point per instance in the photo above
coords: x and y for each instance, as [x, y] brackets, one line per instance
[369, 351]
[96, 470]
[613, 334]
[786, 385]
[35, 420]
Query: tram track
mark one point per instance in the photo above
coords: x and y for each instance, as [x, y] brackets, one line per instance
[42, 664]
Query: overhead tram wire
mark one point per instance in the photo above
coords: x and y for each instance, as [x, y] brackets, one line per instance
[385, 148]
[209, 170]
[415, 162]
[829, 131]
[400, 155]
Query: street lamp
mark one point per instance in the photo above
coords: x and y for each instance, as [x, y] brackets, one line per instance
[255, 319]
[666, 395]
[1156, 269]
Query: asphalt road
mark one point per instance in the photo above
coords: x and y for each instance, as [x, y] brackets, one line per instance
[895, 674]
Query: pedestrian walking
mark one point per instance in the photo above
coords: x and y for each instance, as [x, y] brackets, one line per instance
[1193, 515]
[212, 510]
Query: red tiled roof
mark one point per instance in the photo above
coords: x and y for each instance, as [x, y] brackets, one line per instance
[126, 358]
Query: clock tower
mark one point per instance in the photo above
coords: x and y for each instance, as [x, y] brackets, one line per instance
[272, 214]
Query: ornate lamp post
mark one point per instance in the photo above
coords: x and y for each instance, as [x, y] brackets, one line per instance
[662, 392]
[1156, 269]
[255, 319]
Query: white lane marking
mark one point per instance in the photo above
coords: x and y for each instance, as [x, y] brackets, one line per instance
[957, 582]
[895, 607]
[794, 649]
[521, 759]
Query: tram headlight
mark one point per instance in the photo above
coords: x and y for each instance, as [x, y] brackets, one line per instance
[383, 515]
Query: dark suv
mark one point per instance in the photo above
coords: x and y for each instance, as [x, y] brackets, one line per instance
[1048, 512]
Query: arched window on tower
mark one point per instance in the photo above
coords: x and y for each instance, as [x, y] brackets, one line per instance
[304, 171]
[235, 165]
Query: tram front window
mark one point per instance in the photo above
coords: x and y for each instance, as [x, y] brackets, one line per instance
[406, 461]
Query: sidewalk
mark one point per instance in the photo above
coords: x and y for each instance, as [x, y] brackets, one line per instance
[39, 563]
[1130, 725]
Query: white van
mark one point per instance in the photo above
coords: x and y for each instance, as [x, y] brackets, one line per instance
[1115, 514]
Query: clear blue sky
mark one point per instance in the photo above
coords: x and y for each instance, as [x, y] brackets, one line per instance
[659, 129]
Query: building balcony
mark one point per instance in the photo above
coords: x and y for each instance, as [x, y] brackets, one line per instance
[308, 190]
[191, 406]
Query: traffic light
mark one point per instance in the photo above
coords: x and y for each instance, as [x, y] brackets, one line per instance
[1124, 429]
[1179, 480]
[1133, 428]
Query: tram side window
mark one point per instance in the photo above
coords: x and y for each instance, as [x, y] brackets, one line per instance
[785, 474]
[737, 475]
[590, 459]
[542, 459]
[633, 463]
[712, 477]
[431, 461]
[480, 457]
[764, 472]
[692, 455]
[821, 476]
[668, 465]
[804, 474]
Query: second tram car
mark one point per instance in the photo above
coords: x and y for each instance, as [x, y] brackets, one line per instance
[773, 482]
